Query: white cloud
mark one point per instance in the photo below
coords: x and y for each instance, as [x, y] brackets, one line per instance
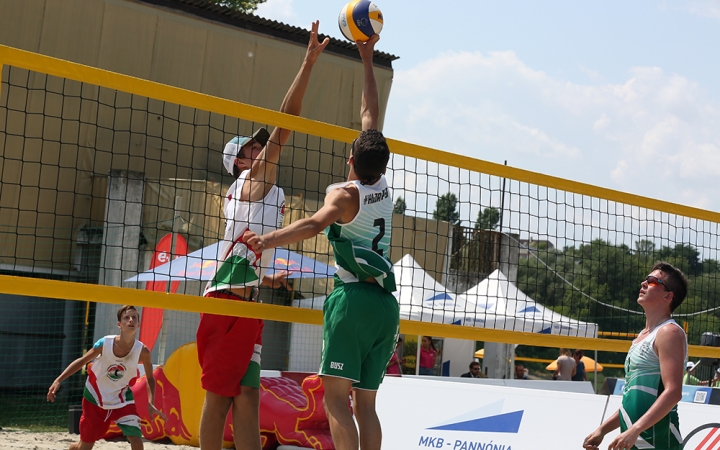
[704, 8]
[653, 129]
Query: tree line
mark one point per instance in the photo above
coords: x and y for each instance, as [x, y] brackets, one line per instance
[611, 274]
[577, 281]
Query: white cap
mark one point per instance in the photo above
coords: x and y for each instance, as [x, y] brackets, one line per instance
[689, 365]
[232, 148]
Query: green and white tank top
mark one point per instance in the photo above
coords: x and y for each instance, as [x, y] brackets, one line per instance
[362, 246]
[643, 385]
[239, 266]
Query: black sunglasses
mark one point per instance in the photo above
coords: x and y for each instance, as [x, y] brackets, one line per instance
[654, 281]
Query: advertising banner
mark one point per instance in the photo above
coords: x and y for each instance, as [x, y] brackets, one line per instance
[462, 416]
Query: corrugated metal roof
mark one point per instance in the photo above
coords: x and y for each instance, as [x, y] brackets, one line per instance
[212, 11]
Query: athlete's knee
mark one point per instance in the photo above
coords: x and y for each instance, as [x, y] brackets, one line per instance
[337, 406]
[216, 404]
[364, 404]
[247, 403]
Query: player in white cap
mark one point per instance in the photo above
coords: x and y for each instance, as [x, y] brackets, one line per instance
[229, 347]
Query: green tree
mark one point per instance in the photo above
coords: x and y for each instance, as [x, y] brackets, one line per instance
[710, 266]
[644, 247]
[446, 209]
[683, 256]
[611, 274]
[488, 219]
[246, 6]
[400, 206]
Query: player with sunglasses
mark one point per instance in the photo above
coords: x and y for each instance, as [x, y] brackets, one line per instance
[654, 370]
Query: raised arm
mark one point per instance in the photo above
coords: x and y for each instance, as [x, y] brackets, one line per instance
[264, 168]
[337, 202]
[369, 109]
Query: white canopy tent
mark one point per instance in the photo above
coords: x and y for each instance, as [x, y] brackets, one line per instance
[497, 303]
[420, 296]
[494, 303]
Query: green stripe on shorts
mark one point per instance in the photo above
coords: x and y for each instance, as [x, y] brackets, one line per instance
[129, 430]
[252, 376]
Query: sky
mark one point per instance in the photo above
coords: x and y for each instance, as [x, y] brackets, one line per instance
[619, 94]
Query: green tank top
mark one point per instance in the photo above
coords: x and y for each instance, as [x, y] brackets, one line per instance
[362, 246]
[643, 385]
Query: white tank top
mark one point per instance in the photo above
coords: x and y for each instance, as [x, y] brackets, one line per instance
[239, 266]
[108, 380]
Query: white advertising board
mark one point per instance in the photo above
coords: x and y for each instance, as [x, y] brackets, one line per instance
[452, 414]
[421, 413]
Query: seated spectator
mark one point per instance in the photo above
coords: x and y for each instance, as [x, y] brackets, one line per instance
[579, 374]
[475, 371]
[689, 379]
[521, 373]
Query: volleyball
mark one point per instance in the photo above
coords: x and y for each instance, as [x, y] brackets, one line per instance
[360, 19]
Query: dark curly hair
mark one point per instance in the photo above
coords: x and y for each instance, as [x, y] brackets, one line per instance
[371, 155]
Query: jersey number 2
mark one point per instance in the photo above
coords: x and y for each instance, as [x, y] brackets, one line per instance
[380, 223]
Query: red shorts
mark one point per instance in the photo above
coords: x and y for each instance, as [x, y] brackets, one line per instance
[229, 351]
[95, 421]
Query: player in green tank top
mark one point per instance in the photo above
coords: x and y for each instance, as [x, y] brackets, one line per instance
[358, 224]
[654, 370]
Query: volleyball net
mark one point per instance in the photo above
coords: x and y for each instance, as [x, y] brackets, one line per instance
[112, 193]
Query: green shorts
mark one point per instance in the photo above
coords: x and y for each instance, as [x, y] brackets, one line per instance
[360, 329]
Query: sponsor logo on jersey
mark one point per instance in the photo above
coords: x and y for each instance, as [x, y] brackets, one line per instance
[336, 365]
[115, 372]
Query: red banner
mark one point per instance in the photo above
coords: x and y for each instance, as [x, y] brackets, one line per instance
[152, 317]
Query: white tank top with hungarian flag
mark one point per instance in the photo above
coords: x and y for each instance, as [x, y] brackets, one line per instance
[107, 384]
[239, 266]
[362, 246]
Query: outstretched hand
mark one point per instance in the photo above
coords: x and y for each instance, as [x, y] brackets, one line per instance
[315, 47]
[367, 48]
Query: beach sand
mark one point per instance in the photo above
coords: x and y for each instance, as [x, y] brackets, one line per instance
[19, 439]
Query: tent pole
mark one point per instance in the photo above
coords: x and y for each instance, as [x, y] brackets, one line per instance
[596, 373]
[417, 356]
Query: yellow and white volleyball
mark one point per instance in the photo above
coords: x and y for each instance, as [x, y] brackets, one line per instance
[360, 19]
